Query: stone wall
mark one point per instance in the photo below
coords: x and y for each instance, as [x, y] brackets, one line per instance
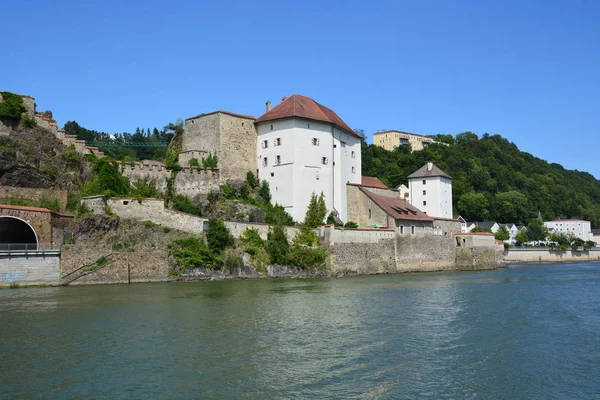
[96, 204]
[385, 192]
[155, 171]
[142, 264]
[34, 194]
[363, 210]
[237, 147]
[28, 270]
[40, 221]
[538, 255]
[362, 258]
[237, 228]
[201, 134]
[424, 253]
[193, 182]
[154, 210]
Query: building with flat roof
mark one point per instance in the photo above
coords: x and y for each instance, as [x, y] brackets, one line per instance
[389, 140]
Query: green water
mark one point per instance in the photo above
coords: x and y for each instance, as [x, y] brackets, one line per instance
[523, 332]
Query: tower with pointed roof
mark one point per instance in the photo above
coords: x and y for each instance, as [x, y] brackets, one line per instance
[431, 191]
[303, 148]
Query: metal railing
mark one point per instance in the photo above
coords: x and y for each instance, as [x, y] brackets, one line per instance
[9, 248]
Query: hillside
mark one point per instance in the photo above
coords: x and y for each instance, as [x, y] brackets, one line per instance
[493, 179]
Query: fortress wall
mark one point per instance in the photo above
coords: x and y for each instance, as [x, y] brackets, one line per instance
[194, 181]
[152, 171]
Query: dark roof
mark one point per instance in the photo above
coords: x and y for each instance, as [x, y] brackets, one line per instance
[397, 208]
[305, 107]
[484, 224]
[596, 231]
[222, 112]
[372, 181]
[429, 170]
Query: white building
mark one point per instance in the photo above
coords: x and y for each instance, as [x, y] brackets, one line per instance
[303, 148]
[431, 191]
[581, 229]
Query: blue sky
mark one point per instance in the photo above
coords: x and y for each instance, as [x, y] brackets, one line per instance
[529, 71]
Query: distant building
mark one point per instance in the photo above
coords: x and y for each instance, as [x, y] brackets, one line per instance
[596, 236]
[389, 140]
[579, 228]
[488, 226]
[303, 148]
[463, 224]
[431, 191]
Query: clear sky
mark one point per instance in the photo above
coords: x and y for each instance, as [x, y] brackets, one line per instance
[528, 70]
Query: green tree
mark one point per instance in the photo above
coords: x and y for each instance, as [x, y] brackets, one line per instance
[521, 237]
[251, 180]
[316, 211]
[265, 192]
[108, 180]
[502, 233]
[510, 206]
[536, 231]
[218, 236]
[473, 206]
[210, 162]
[277, 245]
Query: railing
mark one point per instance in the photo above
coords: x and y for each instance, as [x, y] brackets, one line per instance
[27, 248]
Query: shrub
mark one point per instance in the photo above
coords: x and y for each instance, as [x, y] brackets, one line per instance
[265, 192]
[145, 188]
[192, 252]
[316, 211]
[166, 229]
[210, 162]
[184, 204]
[589, 244]
[218, 236]
[251, 180]
[149, 224]
[11, 105]
[108, 180]
[194, 163]
[277, 245]
[28, 121]
[276, 215]
[251, 238]
[51, 203]
[350, 224]
[228, 190]
[307, 252]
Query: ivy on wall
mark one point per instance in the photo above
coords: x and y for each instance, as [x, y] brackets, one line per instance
[12, 105]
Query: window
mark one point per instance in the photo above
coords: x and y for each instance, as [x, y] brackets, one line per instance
[264, 144]
[353, 154]
[277, 141]
[353, 170]
[265, 162]
[424, 192]
[277, 159]
[412, 230]
[308, 126]
[324, 160]
[315, 141]
[402, 229]
[317, 175]
[369, 213]
[424, 203]
[125, 202]
[272, 174]
[424, 182]
[271, 127]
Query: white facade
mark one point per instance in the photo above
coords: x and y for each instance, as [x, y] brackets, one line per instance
[581, 229]
[299, 157]
[432, 195]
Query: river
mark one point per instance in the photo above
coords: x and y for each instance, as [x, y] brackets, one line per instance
[528, 331]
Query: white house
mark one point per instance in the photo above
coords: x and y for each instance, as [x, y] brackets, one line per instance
[581, 229]
[303, 148]
[485, 225]
[431, 191]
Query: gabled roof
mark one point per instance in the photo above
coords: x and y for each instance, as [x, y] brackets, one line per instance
[305, 107]
[429, 170]
[397, 208]
[222, 112]
[371, 181]
[485, 224]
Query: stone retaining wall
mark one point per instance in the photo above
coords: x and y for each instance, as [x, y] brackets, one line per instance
[24, 270]
[34, 194]
[547, 255]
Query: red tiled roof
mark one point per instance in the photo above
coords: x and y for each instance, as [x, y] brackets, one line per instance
[222, 112]
[397, 208]
[424, 172]
[305, 107]
[36, 209]
[372, 181]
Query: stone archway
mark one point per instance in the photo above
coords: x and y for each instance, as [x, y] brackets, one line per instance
[17, 234]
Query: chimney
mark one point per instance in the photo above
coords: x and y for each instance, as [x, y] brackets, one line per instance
[283, 99]
[268, 106]
[429, 166]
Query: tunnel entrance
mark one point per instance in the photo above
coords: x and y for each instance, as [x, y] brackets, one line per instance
[16, 234]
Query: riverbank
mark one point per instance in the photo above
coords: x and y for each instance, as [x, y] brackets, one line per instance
[529, 255]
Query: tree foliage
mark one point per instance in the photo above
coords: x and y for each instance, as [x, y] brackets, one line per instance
[108, 180]
[536, 231]
[316, 211]
[502, 233]
[515, 184]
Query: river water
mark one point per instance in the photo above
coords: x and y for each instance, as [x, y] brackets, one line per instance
[530, 331]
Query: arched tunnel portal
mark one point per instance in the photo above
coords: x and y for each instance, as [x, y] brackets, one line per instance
[17, 234]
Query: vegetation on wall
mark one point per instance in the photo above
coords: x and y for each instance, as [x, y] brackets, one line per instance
[493, 179]
[12, 105]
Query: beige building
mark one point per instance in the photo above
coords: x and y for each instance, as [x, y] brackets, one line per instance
[389, 140]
